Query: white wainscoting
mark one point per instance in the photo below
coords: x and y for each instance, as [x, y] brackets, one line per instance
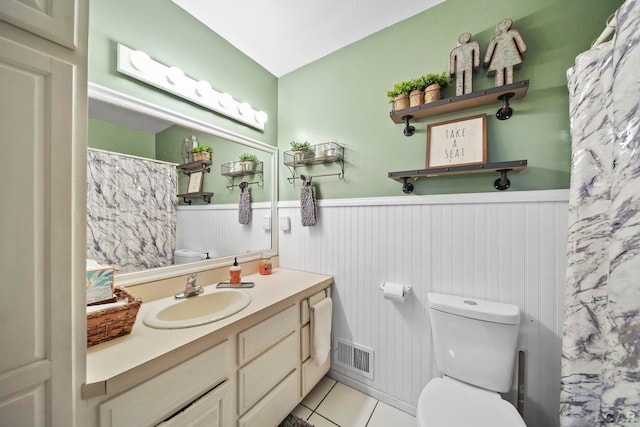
[216, 229]
[507, 247]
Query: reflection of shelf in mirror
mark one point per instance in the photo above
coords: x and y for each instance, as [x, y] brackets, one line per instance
[204, 195]
[501, 183]
[233, 170]
[239, 168]
[198, 165]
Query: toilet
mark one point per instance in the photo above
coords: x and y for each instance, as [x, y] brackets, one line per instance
[475, 345]
[183, 256]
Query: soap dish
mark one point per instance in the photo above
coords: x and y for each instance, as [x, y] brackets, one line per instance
[241, 285]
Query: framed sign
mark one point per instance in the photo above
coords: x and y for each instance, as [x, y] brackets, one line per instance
[457, 142]
[195, 182]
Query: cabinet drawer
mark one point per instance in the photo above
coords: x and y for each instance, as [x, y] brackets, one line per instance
[211, 410]
[312, 373]
[258, 377]
[260, 337]
[275, 406]
[149, 403]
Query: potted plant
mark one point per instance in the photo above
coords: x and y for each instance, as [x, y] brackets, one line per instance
[201, 152]
[299, 150]
[248, 162]
[399, 95]
[416, 96]
[433, 84]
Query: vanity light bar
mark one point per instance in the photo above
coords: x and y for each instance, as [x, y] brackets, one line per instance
[139, 65]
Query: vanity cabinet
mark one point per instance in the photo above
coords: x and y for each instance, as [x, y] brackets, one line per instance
[166, 397]
[251, 372]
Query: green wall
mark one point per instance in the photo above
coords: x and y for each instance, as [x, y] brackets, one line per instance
[343, 97]
[111, 137]
[172, 36]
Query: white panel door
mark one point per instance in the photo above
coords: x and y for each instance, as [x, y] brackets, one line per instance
[52, 19]
[36, 136]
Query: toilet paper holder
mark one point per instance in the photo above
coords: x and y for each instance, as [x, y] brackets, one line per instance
[395, 287]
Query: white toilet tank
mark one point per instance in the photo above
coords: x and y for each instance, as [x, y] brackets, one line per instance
[475, 340]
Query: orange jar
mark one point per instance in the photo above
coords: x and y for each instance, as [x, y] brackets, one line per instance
[265, 264]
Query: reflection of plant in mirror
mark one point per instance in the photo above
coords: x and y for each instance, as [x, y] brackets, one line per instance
[202, 149]
[246, 157]
[300, 146]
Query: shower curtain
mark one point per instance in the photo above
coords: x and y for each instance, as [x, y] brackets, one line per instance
[600, 384]
[131, 211]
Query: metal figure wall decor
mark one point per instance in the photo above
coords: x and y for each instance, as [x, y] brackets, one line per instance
[504, 52]
[463, 61]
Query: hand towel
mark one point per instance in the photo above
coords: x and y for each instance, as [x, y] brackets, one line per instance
[244, 209]
[308, 209]
[321, 330]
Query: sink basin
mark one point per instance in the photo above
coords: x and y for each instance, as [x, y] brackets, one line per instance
[197, 310]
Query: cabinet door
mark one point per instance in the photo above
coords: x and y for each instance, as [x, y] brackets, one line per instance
[51, 19]
[36, 178]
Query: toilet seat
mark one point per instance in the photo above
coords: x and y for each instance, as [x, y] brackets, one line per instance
[446, 402]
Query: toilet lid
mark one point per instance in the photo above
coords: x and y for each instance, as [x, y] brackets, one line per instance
[451, 403]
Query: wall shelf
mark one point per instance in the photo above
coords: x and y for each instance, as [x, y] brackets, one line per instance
[501, 183]
[233, 170]
[188, 169]
[195, 166]
[204, 195]
[457, 103]
[328, 152]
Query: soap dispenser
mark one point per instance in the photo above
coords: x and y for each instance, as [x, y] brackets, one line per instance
[234, 273]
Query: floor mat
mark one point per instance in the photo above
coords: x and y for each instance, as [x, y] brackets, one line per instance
[293, 421]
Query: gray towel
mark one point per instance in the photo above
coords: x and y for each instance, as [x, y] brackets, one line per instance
[308, 209]
[244, 209]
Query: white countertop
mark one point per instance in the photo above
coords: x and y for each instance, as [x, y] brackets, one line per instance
[125, 361]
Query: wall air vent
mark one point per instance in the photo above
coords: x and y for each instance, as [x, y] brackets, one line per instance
[354, 357]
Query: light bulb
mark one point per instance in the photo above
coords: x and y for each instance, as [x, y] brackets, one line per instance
[203, 88]
[174, 75]
[225, 100]
[140, 60]
[261, 117]
[244, 108]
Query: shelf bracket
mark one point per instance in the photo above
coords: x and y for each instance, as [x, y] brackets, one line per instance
[408, 129]
[407, 187]
[503, 182]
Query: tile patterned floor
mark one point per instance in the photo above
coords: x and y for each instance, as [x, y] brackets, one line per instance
[332, 404]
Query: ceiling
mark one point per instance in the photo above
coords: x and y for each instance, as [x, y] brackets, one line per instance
[283, 35]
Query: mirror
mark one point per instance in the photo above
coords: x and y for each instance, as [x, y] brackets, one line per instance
[134, 173]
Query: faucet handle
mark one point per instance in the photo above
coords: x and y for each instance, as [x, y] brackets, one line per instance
[191, 281]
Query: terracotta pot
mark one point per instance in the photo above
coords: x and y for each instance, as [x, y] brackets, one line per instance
[400, 102]
[416, 98]
[432, 93]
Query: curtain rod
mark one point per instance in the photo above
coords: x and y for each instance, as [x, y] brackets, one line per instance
[608, 30]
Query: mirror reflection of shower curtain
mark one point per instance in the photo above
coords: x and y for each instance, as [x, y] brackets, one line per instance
[601, 343]
[131, 211]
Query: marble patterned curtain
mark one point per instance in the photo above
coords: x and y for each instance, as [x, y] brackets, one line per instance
[600, 384]
[131, 211]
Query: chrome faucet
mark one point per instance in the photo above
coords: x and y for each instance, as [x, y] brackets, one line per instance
[191, 290]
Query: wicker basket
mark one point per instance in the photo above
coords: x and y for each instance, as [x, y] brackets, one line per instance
[110, 323]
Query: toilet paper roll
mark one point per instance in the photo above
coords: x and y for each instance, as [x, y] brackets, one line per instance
[394, 291]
